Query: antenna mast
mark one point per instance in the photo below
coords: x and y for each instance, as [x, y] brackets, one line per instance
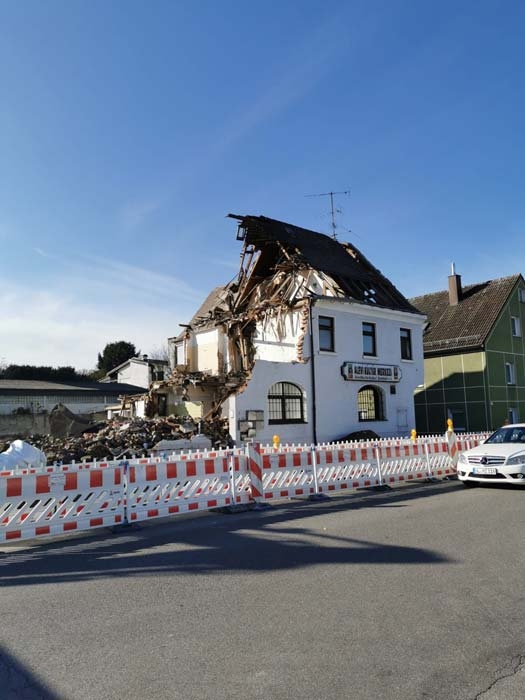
[331, 195]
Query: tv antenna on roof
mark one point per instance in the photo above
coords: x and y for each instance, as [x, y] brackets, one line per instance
[333, 211]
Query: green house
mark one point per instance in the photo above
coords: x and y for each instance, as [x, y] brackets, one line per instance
[474, 350]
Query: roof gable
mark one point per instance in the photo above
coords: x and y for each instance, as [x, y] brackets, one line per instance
[137, 361]
[209, 312]
[466, 325]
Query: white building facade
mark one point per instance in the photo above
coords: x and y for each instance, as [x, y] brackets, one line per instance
[359, 370]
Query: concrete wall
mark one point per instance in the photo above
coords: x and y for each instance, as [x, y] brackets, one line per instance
[23, 426]
[455, 385]
[77, 403]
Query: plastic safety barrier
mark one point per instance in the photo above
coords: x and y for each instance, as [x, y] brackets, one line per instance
[58, 499]
[415, 461]
[281, 475]
[33, 505]
[159, 489]
[346, 468]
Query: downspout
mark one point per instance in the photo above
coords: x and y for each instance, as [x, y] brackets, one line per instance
[312, 355]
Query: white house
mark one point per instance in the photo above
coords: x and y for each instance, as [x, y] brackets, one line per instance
[311, 342]
[139, 371]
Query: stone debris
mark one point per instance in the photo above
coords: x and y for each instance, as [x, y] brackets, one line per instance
[120, 438]
[63, 422]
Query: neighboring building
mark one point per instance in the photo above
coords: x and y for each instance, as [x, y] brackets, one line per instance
[139, 371]
[474, 355]
[36, 397]
[310, 342]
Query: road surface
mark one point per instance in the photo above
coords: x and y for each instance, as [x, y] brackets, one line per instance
[410, 594]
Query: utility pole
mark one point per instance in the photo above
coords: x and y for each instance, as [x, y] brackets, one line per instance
[331, 195]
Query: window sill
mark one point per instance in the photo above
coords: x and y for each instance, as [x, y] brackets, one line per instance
[287, 422]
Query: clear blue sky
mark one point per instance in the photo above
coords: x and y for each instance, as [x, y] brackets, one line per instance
[128, 130]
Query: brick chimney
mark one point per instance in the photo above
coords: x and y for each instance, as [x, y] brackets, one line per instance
[454, 287]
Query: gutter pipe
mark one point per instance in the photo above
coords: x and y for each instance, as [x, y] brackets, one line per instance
[312, 355]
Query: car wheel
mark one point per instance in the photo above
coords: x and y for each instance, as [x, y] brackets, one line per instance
[469, 484]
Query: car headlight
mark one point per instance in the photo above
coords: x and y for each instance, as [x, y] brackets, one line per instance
[463, 458]
[518, 459]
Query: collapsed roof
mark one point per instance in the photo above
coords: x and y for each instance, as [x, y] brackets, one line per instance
[273, 253]
[282, 267]
[271, 246]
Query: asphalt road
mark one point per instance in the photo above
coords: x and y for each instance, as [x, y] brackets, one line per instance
[415, 593]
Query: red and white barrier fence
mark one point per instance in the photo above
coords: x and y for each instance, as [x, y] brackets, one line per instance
[346, 468]
[156, 490]
[58, 499]
[33, 505]
[280, 475]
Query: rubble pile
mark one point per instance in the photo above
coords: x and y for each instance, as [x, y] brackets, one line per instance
[117, 439]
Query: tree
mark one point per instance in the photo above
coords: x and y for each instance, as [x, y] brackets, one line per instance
[160, 353]
[114, 354]
[42, 373]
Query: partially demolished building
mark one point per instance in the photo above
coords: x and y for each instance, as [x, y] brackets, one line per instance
[310, 342]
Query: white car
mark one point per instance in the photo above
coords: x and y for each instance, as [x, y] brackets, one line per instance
[498, 460]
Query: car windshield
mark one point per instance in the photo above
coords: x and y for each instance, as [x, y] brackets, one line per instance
[510, 434]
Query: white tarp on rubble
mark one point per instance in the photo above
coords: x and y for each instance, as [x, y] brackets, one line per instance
[21, 454]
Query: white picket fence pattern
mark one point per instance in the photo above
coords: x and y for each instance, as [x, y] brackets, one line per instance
[59, 499]
[36, 505]
[156, 490]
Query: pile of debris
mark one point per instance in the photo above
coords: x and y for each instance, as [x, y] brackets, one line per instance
[118, 440]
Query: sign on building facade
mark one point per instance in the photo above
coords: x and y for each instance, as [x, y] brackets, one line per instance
[361, 372]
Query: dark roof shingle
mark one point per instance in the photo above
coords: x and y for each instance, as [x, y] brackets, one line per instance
[25, 386]
[467, 324]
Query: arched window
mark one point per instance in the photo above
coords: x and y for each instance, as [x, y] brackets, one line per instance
[285, 403]
[370, 403]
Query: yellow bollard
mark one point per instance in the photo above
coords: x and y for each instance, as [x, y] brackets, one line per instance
[276, 441]
[413, 434]
[450, 425]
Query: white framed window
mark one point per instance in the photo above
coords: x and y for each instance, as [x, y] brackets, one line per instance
[285, 404]
[406, 343]
[510, 375]
[326, 333]
[516, 326]
[369, 339]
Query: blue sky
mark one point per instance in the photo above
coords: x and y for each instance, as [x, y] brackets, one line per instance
[128, 130]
